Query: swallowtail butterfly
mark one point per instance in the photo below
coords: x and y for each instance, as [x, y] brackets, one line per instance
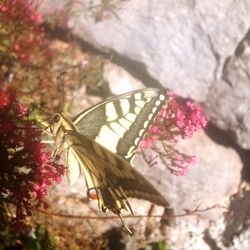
[100, 143]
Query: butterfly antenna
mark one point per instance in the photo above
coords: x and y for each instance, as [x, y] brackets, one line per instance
[34, 106]
[61, 88]
[127, 228]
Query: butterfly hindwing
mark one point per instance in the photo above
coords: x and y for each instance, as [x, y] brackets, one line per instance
[119, 123]
[111, 175]
[74, 167]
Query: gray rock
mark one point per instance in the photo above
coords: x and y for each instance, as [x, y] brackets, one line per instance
[182, 44]
[191, 47]
[215, 178]
[213, 181]
[119, 80]
[228, 104]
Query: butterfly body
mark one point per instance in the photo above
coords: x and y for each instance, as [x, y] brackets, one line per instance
[100, 143]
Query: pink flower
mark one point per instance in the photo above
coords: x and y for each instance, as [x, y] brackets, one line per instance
[147, 142]
[17, 47]
[23, 56]
[4, 98]
[192, 160]
[19, 242]
[180, 164]
[22, 109]
[177, 119]
[190, 105]
[180, 118]
[58, 179]
[3, 9]
[154, 129]
[170, 93]
[36, 17]
[183, 171]
[178, 158]
[26, 168]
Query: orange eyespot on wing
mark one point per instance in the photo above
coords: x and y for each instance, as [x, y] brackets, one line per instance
[92, 194]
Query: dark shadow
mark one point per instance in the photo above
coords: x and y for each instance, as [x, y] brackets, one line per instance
[239, 208]
[135, 68]
[239, 221]
[210, 241]
[114, 239]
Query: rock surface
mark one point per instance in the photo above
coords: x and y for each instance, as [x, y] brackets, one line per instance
[229, 98]
[215, 178]
[119, 80]
[196, 48]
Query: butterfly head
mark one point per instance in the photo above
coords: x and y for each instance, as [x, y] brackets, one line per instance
[59, 122]
[55, 123]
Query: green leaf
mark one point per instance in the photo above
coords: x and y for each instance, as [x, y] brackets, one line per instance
[159, 245]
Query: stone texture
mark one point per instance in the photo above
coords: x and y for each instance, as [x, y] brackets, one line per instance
[215, 178]
[183, 44]
[213, 181]
[196, 48]
[119, 80]
[228, 104]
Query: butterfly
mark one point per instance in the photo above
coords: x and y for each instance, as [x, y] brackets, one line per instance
[100, 143]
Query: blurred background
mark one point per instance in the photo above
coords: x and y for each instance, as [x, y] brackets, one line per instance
[73, 54]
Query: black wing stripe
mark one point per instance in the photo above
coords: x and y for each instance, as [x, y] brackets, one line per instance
[96, 123]
[140, 127]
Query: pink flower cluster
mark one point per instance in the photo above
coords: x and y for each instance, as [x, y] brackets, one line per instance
[22, 21]
[177, 119]
[181, 163]
[26, 171]
[20, 10]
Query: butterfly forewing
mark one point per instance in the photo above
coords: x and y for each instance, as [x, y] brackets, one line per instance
[120, 123]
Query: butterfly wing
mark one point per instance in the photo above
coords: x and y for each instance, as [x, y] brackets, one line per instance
[110, 175]
[119, 123]
[104, 141]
